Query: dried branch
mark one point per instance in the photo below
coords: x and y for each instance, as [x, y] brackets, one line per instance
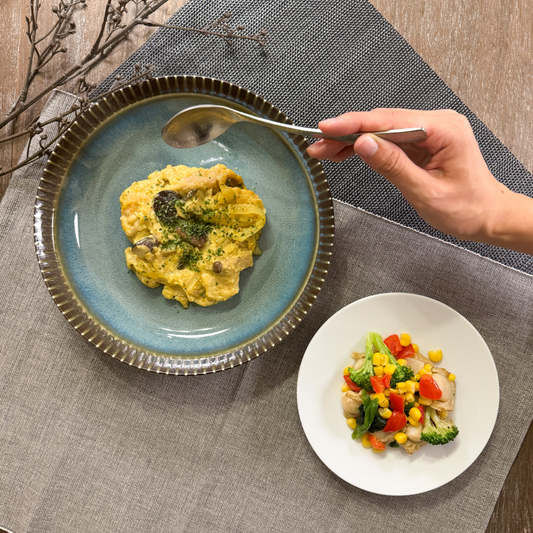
[113, 30]
[219, 28]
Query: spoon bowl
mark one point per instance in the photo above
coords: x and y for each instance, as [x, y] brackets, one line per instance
[200, 124]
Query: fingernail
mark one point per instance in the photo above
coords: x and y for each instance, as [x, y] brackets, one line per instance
[366, 147]
[326, 122]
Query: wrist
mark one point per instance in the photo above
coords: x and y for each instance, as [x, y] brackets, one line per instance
[511, 222]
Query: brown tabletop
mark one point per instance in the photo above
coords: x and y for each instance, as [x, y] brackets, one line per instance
[482, 49]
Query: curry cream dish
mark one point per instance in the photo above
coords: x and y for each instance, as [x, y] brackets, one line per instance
[193, 230]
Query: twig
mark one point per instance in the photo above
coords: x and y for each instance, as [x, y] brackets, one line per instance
[113, 30]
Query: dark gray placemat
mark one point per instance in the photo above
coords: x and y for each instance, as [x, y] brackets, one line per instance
[322, 59]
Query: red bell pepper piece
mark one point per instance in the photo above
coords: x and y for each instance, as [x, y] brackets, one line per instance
[351, 384]
[429, 388]
[396, 402]
[393, 344]
[376, 443]
[386, 380]
[396, 421]
[377, 383]
[423, 412]
[405, 352]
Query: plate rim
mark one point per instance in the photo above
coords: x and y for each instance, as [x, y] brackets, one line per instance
[51, 182]
[346, 478]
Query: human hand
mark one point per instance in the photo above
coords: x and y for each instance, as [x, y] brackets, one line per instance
[444, 178]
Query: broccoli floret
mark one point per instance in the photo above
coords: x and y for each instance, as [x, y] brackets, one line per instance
[438, 430]
[361, 377]
[402, 373]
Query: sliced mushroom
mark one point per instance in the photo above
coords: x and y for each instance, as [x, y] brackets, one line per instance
[232, 182]
[196, 240]
[145, 245]
[414, 432]
[164, 205]
[350, 403]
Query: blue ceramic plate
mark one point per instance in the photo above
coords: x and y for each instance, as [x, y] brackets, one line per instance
[80, 242]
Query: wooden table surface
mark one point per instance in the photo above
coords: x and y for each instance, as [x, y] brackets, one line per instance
[482, 49]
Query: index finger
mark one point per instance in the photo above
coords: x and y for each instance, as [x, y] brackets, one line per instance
[381, 120]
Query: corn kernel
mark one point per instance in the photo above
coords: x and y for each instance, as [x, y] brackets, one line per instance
[415, 413]
[435, 355]
[384, 359]
[351, 422]
[345, 388]
[378, 370]
[452, 377]
[384, 402]
[346, 371]
[375, 450]
[400, 437]
[409, 397]
[410, 386]
[373, 395]
[421, 372]
[389, 369]
[425, 401]
[428, 367]
[417, 404]
[386, 392]
[365, 442]
[412, 421]
[405, 339]
[417, 377]
[415, 348]
[401, 387]
[376, 358]
[402, 362]
[385, 412]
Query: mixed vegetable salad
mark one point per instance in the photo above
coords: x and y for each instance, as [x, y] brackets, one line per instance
[395, 396]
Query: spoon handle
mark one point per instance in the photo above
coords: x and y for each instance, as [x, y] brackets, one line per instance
[405, 135]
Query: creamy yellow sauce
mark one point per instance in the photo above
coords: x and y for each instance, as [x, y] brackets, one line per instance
[193, 230]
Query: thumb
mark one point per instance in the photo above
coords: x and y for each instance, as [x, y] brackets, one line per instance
[388, 159]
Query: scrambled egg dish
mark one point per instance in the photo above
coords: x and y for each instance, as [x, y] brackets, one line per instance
[193, 230]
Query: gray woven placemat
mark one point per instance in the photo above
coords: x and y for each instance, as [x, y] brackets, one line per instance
[322, 59]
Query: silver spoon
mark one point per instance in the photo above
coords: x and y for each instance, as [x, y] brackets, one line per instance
[202, 123]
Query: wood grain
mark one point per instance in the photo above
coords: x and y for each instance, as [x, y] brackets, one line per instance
[482, 50]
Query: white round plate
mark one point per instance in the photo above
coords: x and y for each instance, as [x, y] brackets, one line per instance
[432, 325]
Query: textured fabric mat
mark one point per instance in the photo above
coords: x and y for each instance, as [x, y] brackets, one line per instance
[322, 59]
[89, 444]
